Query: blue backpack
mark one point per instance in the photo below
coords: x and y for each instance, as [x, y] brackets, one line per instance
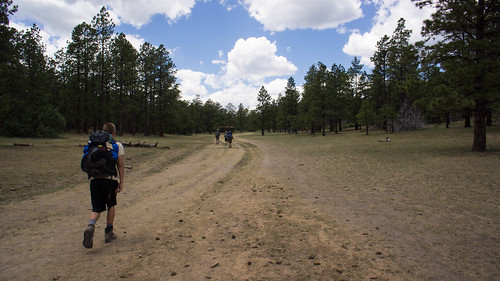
[100, 155]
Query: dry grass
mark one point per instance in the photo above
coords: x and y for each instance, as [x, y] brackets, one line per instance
[53, 164]
[434, 153]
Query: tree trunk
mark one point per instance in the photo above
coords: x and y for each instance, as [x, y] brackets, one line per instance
[489, 117]
[447, 119]
[323, 126]
[479, 143]
[467, 123]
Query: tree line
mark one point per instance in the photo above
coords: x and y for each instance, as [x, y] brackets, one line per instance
[99, 77]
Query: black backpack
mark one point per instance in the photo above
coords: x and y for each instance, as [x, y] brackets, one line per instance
[100, 155]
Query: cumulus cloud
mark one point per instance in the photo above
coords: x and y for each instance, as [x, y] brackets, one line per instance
[192, 83]
[384, 23]
[135, 40]
[249, 64]
[139, 12]
[57, 18]
[255, 59]
[280, 15]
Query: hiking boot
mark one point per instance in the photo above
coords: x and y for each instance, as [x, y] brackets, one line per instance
[88, 236]
[109, 235]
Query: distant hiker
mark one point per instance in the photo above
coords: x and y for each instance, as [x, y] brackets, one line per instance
[217, 135]
[225, 137]
[230, 138]
[102, 158]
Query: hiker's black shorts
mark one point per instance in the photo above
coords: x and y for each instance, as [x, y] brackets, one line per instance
[102, 194]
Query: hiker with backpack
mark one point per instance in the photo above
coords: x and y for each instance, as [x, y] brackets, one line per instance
[217, 136]
[103, 162]
[230, 138]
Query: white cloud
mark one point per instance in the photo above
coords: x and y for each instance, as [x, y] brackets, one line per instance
[57, 18]
[135, 40]
[236, 94]
[280, 15]
[191, 83]
[384, 23]
[255, 59]
[276, 87]
[139, 12]
[246, 94]
[248, 65]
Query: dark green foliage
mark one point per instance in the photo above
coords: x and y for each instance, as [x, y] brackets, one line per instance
[100, 77]
[264, 109]
[469, 53]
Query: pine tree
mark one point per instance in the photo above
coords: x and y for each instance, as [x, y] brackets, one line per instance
[263, 107]
[468, 48]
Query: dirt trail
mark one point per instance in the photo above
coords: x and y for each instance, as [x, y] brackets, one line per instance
[252, 212]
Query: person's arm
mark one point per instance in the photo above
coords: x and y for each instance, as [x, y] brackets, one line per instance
[121, 173]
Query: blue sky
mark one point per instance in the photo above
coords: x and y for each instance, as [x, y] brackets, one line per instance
[225, 50]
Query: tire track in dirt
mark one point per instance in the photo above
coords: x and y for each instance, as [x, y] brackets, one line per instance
[248, 226]
[41, 239]
[218, 214]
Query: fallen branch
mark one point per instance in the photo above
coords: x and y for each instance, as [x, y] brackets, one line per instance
[138, 144]
[23, 144]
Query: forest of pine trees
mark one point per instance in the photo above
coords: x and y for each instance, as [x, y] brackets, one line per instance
[99, 77]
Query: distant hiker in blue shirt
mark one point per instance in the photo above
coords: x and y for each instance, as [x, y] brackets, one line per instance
[230, 138]
[217, 135]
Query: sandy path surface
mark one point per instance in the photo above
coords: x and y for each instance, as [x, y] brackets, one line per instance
[252, 212]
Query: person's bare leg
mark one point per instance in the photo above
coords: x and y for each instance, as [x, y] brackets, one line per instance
[110, 218]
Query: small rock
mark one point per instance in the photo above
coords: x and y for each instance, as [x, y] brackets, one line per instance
[215, 265]
[249, 263]
[157, 238]
[173, 273]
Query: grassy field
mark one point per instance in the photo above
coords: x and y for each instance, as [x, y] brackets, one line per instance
[52, 164]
